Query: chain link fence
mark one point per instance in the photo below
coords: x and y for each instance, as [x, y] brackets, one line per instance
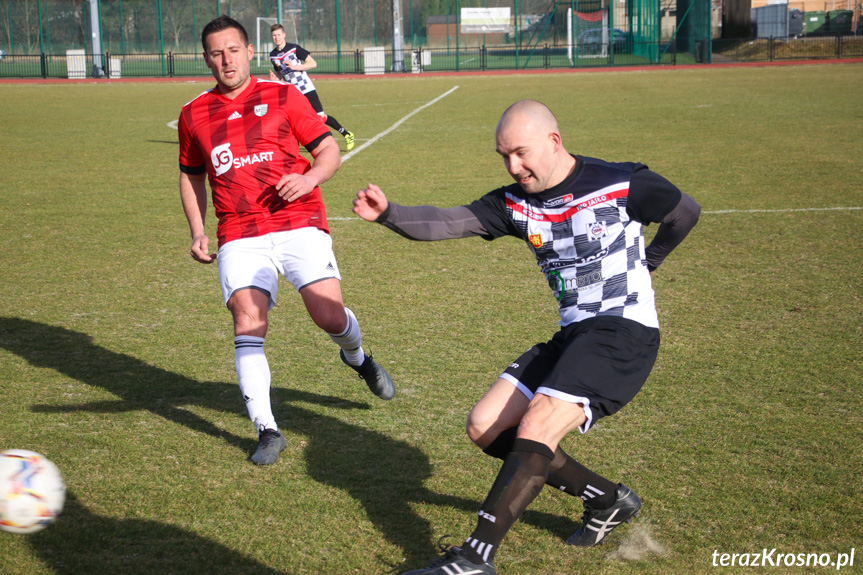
[161, 38]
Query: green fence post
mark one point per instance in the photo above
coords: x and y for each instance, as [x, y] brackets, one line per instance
[161, 35]
[516, 34]
[447, 27]
[123, 34]
[48, 26]
[41, 40]
[339, 38]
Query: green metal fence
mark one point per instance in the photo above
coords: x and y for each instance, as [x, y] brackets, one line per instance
[426, 60]
[159, 38]
[146, 26]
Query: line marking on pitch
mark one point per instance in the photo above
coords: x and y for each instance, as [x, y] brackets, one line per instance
[374, 139]
[783, 211]
[720, 212]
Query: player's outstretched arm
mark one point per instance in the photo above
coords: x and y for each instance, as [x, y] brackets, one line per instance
[370, 203]
[420, 223]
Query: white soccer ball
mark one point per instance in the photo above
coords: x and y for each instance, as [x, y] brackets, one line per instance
[32, 491]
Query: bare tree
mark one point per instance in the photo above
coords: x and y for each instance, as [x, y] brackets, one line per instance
[177, 18]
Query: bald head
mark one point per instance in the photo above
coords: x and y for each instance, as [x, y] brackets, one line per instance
[531, 113]
[528, 138]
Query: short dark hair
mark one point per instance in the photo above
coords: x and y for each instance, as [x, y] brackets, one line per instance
[275, 27]
[223, 23]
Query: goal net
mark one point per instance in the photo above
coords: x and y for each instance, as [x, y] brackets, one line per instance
[588, 34]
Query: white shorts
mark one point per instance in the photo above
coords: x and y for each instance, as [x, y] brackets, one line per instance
[304, 256]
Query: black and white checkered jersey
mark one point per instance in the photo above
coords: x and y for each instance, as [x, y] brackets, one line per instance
[587, 235]
[295, 54]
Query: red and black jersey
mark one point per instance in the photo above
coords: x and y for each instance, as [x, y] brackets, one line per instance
[246, 145]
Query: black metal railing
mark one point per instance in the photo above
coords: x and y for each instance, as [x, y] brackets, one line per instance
[789, 48]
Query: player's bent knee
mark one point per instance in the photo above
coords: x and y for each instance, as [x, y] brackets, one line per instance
[246, 325]
[249, 321]
[482, 427]
[333, 321]
[474, 432]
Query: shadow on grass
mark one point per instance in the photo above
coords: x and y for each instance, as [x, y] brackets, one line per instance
[83, 542]
[140, 386]
[385, 475]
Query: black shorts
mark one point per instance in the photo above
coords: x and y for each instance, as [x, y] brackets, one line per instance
[313, 99]
[600, 363]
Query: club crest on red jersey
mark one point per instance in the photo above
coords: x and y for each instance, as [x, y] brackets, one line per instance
[261, 110]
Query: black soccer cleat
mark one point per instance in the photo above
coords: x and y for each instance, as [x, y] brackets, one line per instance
[597, 523]
[270, 443]
[375, 376]
[454, 562]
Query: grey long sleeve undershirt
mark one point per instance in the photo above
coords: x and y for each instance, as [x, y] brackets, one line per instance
[674, 228]
[428, 223]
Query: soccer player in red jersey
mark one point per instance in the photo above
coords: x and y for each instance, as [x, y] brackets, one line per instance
[244, 136]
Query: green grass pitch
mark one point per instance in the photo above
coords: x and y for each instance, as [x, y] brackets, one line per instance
[116, 353]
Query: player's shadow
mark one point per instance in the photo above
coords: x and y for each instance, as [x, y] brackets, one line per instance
[385, 475]
[83, 542]
[139, 386]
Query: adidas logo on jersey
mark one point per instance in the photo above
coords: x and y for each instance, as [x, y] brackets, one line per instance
[235, 116]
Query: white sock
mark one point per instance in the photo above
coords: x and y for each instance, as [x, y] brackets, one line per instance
[253, 372]
[351, 340]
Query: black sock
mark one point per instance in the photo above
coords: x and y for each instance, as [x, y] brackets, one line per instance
[519, 481]
[565, 473]
[334, 124]
[502, 444]
[570, 476]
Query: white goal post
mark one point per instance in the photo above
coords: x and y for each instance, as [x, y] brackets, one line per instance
[268, 42]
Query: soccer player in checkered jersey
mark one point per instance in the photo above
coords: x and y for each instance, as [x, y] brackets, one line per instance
[244, 136]
[583, 220]
[290, 63]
